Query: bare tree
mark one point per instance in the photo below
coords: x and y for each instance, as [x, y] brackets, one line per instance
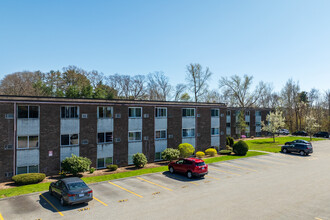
[238, 90]
[179, 90]
[197, 79]
[159, 87]
[213, 96]
[137, 90]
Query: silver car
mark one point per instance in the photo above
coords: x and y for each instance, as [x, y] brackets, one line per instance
[71, 191]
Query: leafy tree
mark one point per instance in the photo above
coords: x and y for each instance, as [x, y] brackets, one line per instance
[186, 150]
[311, 125]
[75, 164]
[275, 121]
[241, 123]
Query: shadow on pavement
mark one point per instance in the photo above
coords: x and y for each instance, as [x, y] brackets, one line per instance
[181, 177]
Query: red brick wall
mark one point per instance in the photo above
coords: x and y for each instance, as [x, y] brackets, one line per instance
[148, 130]
[174, 126]
[203, 128]
[223, 128]
[120, 149]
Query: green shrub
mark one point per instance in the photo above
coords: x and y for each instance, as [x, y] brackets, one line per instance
[211, 152]
[186, 150]
[91, 170]
[252, 137]
[230, 141]
[240, 148]
[225, 152]
[200, 154]
[28, 178]
[75, 164]
[139, 160]
[229, 148]
[170, 154]
[112, 167]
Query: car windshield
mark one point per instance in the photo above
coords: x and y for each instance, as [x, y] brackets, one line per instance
[77, 185]
[200, 164]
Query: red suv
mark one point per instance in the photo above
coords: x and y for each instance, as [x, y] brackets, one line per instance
[189, 166]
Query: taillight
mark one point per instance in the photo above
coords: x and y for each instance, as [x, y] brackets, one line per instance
[71, 195]
[91, 191]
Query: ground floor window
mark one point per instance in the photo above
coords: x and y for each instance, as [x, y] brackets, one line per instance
[158, 156]
[28, 169]
[103, 162]
[258, 134]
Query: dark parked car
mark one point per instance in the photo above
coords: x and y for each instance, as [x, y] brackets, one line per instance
[298, 146]
[300, 133]
[189, 166]
[71, 191]
[323, 134]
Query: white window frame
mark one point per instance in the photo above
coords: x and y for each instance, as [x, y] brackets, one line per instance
[28, 168]
[188, 132]
[28, 114]
[104, 135]
[190, 109]
[135, 136]
[160, 130]
[104, 164]
[69, 140]
[227, 113]
[135, 112]
[66, 107]
[158, 110]
[28, 142]
[217, 110]
[103, 109]
[213, 129]
[156, 159]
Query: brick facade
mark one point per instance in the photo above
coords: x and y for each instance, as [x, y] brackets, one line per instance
[203, 129]
[174, 127]
[148, 146]
[120, 133]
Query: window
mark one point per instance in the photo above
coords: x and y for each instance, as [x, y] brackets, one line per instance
[28, 111]
[105, 112]
[69, 112]
[258, 124]
[247, 113]
[258, 113]
[188, 112]
[27, 142]
[228, 125]
[135, 112]
[135, 136]
[69, 139]
[188, 132]
[105, 137]
[214, 112]
[103, 162]
[161, 134]
[214, 131]
[158, 156]
[161, 112]
[258, 134]
[247, 123]
[28, 169]
[228, 112]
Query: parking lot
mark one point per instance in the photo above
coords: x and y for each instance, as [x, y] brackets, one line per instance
[273, 186]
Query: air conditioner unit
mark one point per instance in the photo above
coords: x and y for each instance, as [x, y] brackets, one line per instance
[117, 115]
[84, 116]
[9, 116]
[9, 147]
[117, 140]
[84, 142]
[146, 115]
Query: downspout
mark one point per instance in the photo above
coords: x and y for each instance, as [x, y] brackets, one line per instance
[15, 138]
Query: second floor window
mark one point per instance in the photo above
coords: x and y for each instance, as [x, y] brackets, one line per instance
[69, 112]
[104, 112]
[24, 142]
[227, 125]
[161, 134]
[188, 112]
[26, 111]
[104, 137]
[135, 136]
[135, 112]
[161, 112]
[228, 113]
[258, 113]
[214, 131]
[69, 139]
[188, 132]
[214, 112]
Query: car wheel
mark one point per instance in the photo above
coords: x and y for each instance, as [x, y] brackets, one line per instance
[63, 203]
[189, 174]
[302, 153]
[171, 170]
[202, 176]
[285, 150]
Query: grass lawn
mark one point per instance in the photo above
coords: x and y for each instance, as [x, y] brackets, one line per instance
[267, 144]
[20, 190]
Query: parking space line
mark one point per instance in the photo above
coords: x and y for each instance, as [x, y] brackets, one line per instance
[126, 190]
[51, 204]
[153, 183]
[265, 160]
[176, 178]
[1, 218]
[100, 201]
[225, 171]
[243, 168]
[251, 163]
[212, 177]
[318, 218]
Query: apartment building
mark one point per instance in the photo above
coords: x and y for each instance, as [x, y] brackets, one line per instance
[37, 133]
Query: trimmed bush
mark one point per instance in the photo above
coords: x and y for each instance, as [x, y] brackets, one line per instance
[28, 178]
[240, 148]
[186, 150]
[139, 160]
[230, 141]
[112, 167]
[170, 154]
[75, 164]
[229, 148]
[211, 152]
[200, 154]
[91, 170]
[225, 152]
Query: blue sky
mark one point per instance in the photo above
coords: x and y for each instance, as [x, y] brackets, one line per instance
[271, 40]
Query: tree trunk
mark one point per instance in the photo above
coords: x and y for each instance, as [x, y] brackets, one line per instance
[274, 137]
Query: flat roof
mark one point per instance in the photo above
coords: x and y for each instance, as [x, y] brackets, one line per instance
[61, 100]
